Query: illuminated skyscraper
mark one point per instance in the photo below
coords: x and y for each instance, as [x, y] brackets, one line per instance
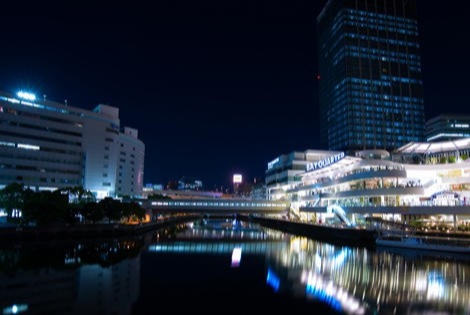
[371, 92]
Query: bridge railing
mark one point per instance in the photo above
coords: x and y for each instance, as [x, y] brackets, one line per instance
[203, 205]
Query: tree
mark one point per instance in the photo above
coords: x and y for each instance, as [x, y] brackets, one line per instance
[45, 207]
[93, 212]
[77, 198]
[12, 198]
[132, 211]
[78, 194]
[111, 209]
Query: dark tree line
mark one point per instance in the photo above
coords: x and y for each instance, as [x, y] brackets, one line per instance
[69, 205]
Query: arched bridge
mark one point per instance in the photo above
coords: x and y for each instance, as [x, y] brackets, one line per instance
[222, 206]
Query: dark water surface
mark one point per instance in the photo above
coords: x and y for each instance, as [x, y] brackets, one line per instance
[226, 267]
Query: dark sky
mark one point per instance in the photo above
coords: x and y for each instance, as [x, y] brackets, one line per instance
[214, 87]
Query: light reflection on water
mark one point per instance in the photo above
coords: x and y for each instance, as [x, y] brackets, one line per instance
[360, 280]
[116, 277]
[348, 279]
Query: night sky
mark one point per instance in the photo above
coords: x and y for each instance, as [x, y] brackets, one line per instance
[214, 87]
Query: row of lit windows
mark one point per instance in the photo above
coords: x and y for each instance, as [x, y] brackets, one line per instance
[385, 53]
[24, 146]
[30, 180]
[371, 126]
[374, 57]
[41, 128]
[41, 138]
[376, 20]
[385, 118]
[42, 148]
[37, 169]
[42, 159]
[415, 69]
[387, 137]
[359, 104]
[406, 21]
[390, 99]
[383, 40]
[401, 79]
[12, 111]
[397, 130]
[390, 118]
[359, 107]
[373, 89]
[382, 100]
[369, 25]
[367, 81]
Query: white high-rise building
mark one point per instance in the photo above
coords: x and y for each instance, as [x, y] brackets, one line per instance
[47, 145]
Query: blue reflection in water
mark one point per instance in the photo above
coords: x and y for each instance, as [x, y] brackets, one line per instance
[340, 258]
[436, 285]
[273, 280]
[324, 296]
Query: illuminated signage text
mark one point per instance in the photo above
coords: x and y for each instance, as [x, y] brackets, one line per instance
[325, 162]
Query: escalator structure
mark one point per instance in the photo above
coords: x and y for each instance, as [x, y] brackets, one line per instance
[340, 213]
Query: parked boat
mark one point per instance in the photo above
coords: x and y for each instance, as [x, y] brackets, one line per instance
[418, 243]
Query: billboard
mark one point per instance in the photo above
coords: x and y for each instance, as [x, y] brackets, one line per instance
[237, 178]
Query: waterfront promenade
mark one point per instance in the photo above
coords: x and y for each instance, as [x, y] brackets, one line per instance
[89, 230]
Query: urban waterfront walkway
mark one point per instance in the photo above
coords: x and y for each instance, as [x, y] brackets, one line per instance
[89, 230]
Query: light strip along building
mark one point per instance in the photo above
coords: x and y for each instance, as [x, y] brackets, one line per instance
[46, 145]
[415, 181]
[448, 127]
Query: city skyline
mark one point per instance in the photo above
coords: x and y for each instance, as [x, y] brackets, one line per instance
[214, 89]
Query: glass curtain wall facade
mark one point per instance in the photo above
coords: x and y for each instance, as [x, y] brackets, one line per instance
[371, 92]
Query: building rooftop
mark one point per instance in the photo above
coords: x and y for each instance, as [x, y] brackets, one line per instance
[435, 147]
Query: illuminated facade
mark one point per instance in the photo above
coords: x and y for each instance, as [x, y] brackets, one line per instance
[46, 145]
[447, 127]
[285, 169]
[131, 163]
[370, 83]
[417, 179]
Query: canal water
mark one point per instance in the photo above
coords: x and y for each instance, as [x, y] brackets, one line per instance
[222, 266]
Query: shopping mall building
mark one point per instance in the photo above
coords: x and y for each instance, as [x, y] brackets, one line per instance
[417, 181]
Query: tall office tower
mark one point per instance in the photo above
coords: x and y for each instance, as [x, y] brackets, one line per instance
[371, 93]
